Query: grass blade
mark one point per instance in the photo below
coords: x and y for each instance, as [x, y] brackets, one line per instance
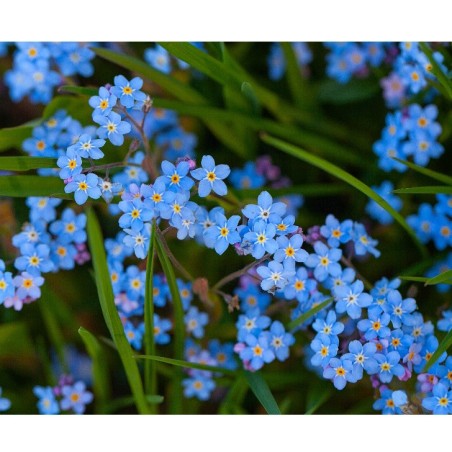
[186, 364]
[427, 172]
[444, 345]
[26, 163]
[348, 178]
[13, 137]
[110, 313]
[307, 315]
[262, 392]
[424, 190]
[179, 325]
[150, 371]
[414, 278]
[23, 186]
[444, 277]
[101, 382]
[437, 69]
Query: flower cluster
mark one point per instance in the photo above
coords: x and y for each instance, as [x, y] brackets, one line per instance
[160, 59]
[47, 243]
[412, 132]
[40, 67]
[68, 396]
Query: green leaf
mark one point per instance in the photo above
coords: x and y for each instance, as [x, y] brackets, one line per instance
[317, 395]
[179, 325]
[307, 315]
[186, 364]
[75, 106]
[150, 370]
[413, 278]
[262, 392]
[23, 186]
[125, 402]
[234, 397]
[336, 93]
[444, 277]
[437, 69]
[444, 345]
[81, 90]
[101, 381]
[424, 190]
[110, 312]
[26, 163]
[427, 172]
[302, 137]
[349, 179]
[13, 137]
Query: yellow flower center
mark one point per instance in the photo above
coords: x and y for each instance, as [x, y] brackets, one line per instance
[211, 176]
[127, 90]
[258, 351]
[224, 232]
[40, 145]
[299, 285]
[83, 186]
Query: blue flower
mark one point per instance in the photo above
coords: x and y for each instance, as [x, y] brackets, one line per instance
[71, 227]
[47, 403]
[363, 243]
[158, 58]
[74, 58]
[199, 387]
[223, 233]
[351, 299]
[441, 400]
[134, 334]
[423, 222]
[42, 208]
[261, 238]
[112, 128]
[257, 351]
[135, 214]
[28, 285]
[138, 240]
[223, 354]
[185, 223]
[252, 322]
[34, 259]
[362, 357]
[70, 164]
[325, 348]
[175, 177]
[279, 340]
[161, 328]
[399, 309]
[387, 149]
[265, 209]
[328, 326]
[300, 286]
[128, 93]
[386, 403]
[324, 261]
[86, 147]
[252, 297]
[6, 283]
[286, 225]
[211, 177]
[445, 324]
[290, 250]
[423, 119]
[84, 186]
[195, 321]
[340, 371]
[248, 177]
[389, 366]
[336, 232]
[274, 276]
[422, 147]
[376, 326]
[5, 403]
[376, 211]
[75, 397]
[103, 103]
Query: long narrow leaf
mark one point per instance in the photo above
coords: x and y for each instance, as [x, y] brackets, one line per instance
[292, 133]
[110, 311]
[437, 69]
[427, 172]
[349, 179]
[262, 392]
[26, 163]
[424, 190]
[444, 345]
[101, 381]
[307, 315]
[150, 371]
[414, 278]
[186, 364]
[23, 186]
[179, 325]
[444, 277]
[13, 137]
